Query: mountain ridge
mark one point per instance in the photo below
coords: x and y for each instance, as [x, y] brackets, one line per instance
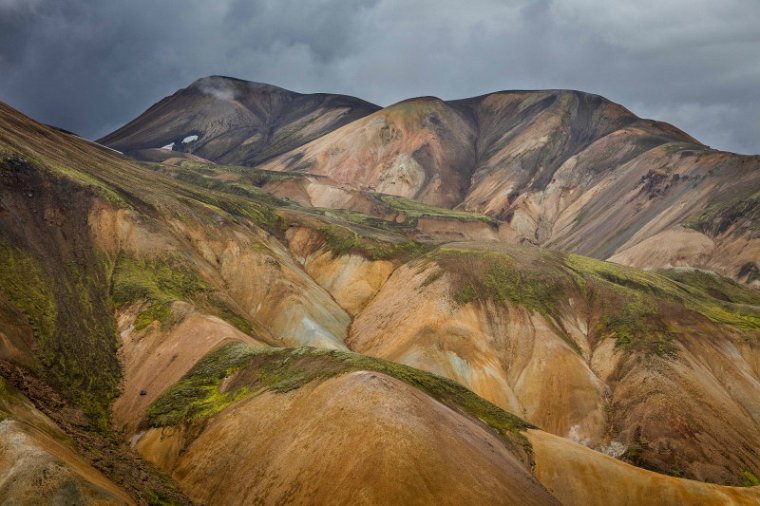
[218, 321]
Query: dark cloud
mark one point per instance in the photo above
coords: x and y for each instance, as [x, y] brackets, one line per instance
[90, 66]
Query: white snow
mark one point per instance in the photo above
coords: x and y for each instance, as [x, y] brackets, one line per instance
[189, 138]
[170, 147]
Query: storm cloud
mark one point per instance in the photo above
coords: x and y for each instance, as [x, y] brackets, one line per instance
[90, 66]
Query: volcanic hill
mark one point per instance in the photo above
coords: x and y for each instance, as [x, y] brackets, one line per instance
[271, 298]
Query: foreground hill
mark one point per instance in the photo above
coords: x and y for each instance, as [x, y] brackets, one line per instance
[252, 349]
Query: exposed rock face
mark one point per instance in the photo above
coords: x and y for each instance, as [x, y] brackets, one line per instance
[564, 169]
[520, 355]
[232, 121]
[362, 427]
[165, 302]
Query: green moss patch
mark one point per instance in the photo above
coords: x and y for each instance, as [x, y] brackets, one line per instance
[481, 275]
[250, 175]
[160, 282]
[342, 240]
[366, 220]
[704, 284]
[23, 282]
[74, 333]
[415, 210]
[199, 395]
[748, 479]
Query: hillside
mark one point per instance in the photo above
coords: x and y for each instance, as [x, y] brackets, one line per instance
[180, 332]
[557, 168]
[560, 169]
[232, 121]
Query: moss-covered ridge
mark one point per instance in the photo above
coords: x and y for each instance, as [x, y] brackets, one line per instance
[243, 181]
[643, 311]
[53, 277]
[250, 370]
[415, 210]
[344, 238]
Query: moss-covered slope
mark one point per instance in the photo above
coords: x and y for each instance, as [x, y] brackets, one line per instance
[246, 370]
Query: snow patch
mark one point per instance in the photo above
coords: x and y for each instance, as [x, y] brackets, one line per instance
[102, 146]
[189, 138]
[170, 147]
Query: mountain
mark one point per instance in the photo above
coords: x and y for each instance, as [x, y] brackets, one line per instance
[194, 331]
[233, 121]
[561, 169]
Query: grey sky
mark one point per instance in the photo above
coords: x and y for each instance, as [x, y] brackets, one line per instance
[90, 66]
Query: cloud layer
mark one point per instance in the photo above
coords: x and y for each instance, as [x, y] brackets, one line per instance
[90, 66]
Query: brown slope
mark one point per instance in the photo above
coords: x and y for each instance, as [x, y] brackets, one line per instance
[441, 152]
[402, 434]
[360, 438]
[87, 235]
[578, 476]
[38, 463]
[236, 121]
[588, 350]
[564, 169]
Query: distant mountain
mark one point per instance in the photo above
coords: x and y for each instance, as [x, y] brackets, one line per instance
[561, 169]
[557, 168]
[233, 121]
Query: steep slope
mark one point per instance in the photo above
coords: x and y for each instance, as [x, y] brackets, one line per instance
[362, 419]
[249, 424]
[150, 304]
[562, 169]
[647, 365]
[112, 272]
[559, 168]
[483, 151]
[38, 464]
[233, 121]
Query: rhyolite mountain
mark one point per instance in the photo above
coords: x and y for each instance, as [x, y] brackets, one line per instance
[233, 121]
[556, 168]
[381, 310]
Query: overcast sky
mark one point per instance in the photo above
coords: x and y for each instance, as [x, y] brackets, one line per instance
[90, 66]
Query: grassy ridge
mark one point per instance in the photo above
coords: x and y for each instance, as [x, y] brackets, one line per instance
[415, 209]
[198, 395]
[636, 308]
[342, 240]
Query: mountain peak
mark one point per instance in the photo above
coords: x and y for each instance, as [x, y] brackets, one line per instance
[229, 88]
